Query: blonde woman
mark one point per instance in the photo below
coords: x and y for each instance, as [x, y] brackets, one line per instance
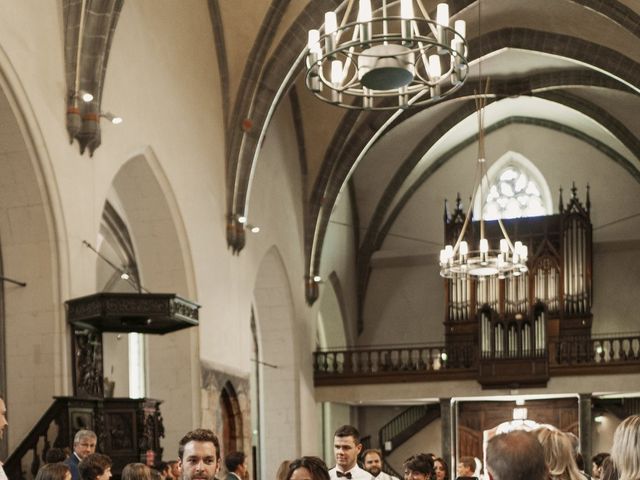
[558, 454]
[625, 452]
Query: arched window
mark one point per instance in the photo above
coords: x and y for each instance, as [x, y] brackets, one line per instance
[515, 188]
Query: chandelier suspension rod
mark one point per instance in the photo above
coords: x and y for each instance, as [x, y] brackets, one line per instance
[469, 208]
[425, 14]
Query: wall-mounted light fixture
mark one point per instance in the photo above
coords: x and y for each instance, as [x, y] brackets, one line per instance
[115, 119]
[248, 226]
[84, 96]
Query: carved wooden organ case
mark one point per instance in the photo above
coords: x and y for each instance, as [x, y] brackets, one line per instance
[514, 318]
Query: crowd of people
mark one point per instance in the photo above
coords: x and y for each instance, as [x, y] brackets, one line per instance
[542, 454]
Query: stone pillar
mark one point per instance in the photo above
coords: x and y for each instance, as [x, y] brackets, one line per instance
[584, 415]
[445, 418]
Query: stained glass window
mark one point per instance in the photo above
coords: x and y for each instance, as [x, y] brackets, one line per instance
[513, 193]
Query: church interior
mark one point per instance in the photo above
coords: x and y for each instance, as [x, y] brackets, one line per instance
[202, 227]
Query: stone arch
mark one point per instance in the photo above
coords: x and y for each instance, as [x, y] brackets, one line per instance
[34, 251]
[232, 424]
[147, 203]
[278, 364]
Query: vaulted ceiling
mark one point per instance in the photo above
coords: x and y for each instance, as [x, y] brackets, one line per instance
[569, 66]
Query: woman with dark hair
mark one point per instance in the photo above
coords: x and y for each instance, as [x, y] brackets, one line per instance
[441, 469]
[54, 471]
[307, 468]
[608, 470]
[136, 471]
[419, 467]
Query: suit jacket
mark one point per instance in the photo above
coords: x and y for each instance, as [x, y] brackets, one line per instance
[232, 476]
[72, 462]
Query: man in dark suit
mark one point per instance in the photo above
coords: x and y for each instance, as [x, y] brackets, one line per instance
[84, 444]
[236, 466]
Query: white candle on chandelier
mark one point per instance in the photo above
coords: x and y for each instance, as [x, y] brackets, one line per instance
[336, 73]
[313, 41]
[460, 26]
[364, 11]
[442, 20]
[330, 23]
[464, 248]
[442, 14]
[406, 9]
[504, 246]
[484, 245]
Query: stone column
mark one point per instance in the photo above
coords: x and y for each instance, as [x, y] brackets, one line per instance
[584, 415]
[445, 417]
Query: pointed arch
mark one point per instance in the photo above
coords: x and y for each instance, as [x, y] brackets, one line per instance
[278, 365]
[146, 202]
[232, 423]
[35, 251]
[513, 162]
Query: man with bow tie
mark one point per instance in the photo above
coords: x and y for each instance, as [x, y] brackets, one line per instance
[346, 448]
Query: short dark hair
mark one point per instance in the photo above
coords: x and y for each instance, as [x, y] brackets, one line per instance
[234, 460]
[348, 431]
[93, 465]
[468, 462]
[516, 455]
[369, 451]
[598, 458]
[199, 435]
[315, 465]
[55, 455]
[53, 471]
[422, 462]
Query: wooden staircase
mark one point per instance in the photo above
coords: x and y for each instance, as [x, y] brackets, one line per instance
[128, 430]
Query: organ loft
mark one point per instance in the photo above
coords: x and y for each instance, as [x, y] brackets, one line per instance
[519, 323]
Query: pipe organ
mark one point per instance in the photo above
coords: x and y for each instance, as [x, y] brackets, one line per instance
[513, 318]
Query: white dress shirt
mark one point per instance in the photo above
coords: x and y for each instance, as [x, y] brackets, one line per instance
[356, 472]
[384, 476]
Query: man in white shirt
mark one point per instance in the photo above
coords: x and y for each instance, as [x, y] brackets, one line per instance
[373, 465]
[3, 424]
[346, 448]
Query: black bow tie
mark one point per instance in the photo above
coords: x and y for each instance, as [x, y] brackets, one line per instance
[345, 475]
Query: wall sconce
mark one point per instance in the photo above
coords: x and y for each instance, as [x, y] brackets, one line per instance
[248, 226]
[115, 119]
[84, 96]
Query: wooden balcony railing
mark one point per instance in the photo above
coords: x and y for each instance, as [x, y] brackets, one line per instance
[362, 365]
[414, 363]
[615, 353]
